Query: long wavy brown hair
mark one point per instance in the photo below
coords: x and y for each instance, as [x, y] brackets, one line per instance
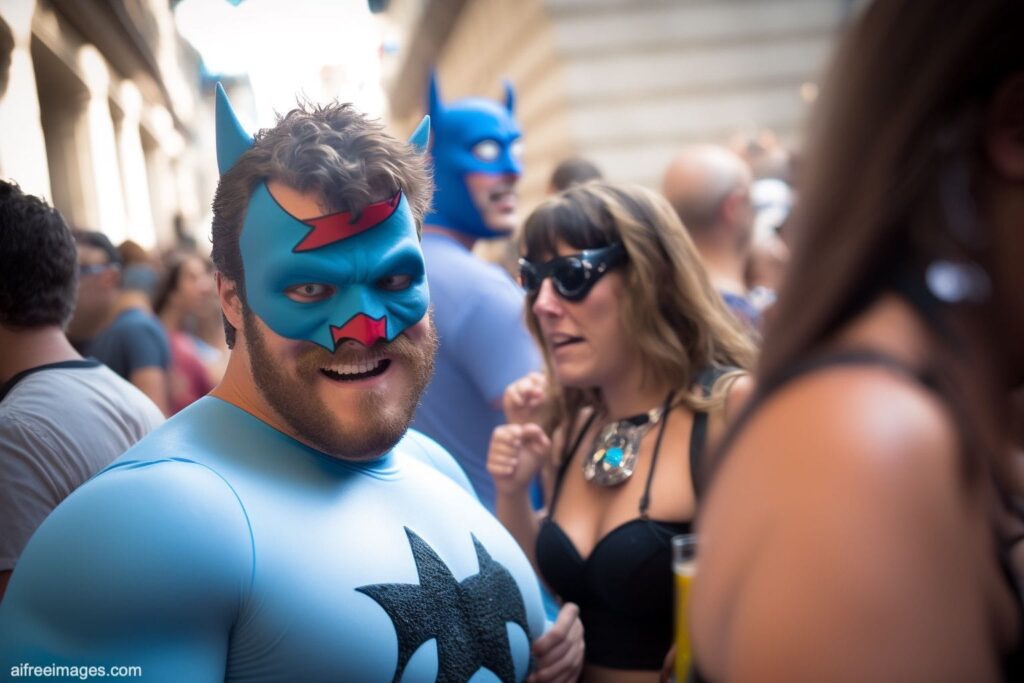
[896, 141]
[680, 323]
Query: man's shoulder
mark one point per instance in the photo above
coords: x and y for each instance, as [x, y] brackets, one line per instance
[132, 320]
[131, 402]
[174, 481]
[91, 390]
[144, 492]
[481, 289]
[61, 426]
[742, 307]
[129, 398]
[133, 328]
[133, 341]
[168, 475]
[195, 434]
[447, 260]
[170, 534]
[424, 449]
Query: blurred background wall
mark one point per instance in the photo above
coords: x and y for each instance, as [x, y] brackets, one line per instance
[108, 110]
[625, 83]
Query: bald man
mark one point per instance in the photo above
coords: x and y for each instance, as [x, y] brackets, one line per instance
[709, 187]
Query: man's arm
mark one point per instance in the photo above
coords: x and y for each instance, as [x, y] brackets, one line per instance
[29, 485]
[428, 451]
[142, 566]
[148, 352]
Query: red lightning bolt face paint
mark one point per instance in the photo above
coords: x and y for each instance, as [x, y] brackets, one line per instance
[339, 226]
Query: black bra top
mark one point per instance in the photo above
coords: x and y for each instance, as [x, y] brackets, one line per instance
[624, 587]
[1013, 662]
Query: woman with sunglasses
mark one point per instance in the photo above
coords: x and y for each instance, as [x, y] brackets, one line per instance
[644, 363]
[882, 443]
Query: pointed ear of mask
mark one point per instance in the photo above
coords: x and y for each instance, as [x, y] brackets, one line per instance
[420, 137]
[232, 140]
[435, 107]
[510, 97]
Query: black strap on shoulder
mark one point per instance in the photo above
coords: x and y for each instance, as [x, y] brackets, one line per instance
[699, 432]
[645, 501]
[567, 454]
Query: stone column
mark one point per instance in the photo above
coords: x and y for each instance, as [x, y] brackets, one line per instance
[105, 203]
[138, 206]
[160, 157]
[22, 145]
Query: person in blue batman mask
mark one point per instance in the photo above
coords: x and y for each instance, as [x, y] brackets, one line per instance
[289, 526]
[478, 308]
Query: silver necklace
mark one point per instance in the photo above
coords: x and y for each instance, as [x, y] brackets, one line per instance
[616, 448]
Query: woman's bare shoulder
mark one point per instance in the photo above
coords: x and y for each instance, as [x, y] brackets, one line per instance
[829, 527]
[740, 391]
[868, 420]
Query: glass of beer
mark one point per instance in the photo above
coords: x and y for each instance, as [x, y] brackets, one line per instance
[684, 566]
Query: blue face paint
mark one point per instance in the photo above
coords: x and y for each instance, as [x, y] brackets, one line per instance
[367, 286]
[366, 279]
[470, 136]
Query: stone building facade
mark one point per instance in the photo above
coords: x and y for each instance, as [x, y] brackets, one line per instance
[100, 113]
[622, 82]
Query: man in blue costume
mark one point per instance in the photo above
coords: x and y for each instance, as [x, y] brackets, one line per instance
[288, 527]
[478, 309]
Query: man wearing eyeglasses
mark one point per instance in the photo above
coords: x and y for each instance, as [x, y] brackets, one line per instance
[478, 309]
[117, 327]
[62, 418]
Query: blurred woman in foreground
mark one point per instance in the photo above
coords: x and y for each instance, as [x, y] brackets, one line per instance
[644, 362]
[861, 524]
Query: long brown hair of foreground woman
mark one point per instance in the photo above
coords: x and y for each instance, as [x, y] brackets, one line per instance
[642, 345]
[861, 523]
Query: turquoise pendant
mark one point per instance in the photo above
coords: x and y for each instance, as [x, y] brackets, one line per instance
[616, 448]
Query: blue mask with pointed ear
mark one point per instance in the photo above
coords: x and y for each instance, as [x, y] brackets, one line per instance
[470, 136]
[333, 277]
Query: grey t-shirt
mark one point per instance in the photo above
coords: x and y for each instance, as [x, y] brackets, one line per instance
[59, 425]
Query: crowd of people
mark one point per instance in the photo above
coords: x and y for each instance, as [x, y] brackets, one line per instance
[385, 459]
[144, 316]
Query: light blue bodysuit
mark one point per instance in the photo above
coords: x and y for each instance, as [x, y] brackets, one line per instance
[220, 549]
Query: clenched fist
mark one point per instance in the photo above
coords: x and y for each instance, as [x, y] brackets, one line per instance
[524, 400]
[517, 453]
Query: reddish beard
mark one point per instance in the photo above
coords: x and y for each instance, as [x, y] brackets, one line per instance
[382, 419]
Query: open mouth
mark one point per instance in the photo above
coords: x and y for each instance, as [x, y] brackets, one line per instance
[503, 197]
[559, 341]
[352, 372]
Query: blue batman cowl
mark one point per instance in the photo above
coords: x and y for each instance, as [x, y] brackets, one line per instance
[473, 135]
